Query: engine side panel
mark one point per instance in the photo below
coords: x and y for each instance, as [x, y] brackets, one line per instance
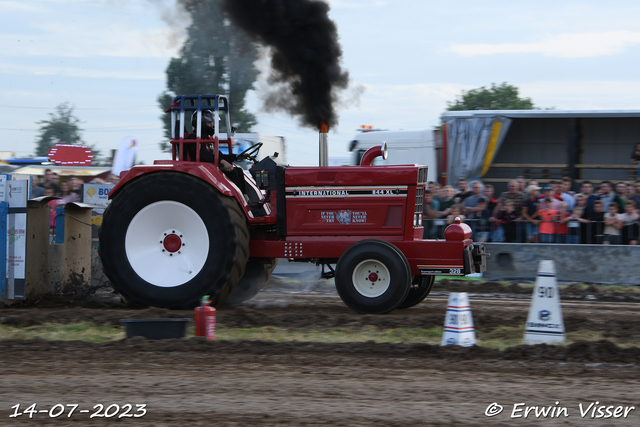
[350, 201]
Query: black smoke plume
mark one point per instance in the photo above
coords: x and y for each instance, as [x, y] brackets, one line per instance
[305, 54]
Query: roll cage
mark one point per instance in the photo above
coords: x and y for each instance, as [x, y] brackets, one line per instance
[182, 107]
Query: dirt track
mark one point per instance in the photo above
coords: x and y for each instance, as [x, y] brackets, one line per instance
[242, 383]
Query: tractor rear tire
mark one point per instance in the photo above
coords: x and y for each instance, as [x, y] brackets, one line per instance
[256, 274]
[417, 294]
[168, 238]
[373, 277]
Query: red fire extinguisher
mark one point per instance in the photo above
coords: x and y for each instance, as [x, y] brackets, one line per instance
[205, 319]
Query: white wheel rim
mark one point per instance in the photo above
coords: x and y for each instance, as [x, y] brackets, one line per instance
[371, 278]
[144, 244]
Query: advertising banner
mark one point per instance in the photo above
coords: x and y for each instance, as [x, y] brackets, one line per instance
[16, 193]
[96, 195]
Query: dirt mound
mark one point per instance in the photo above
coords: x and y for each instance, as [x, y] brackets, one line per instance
[602, 351]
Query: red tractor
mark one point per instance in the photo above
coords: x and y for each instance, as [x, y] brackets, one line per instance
[181, 229]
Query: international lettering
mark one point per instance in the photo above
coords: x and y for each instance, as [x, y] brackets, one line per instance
[323, 193]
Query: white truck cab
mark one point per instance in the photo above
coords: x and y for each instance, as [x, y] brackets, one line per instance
[404, 147]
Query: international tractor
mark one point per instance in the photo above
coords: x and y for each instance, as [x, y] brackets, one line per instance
[180, 229]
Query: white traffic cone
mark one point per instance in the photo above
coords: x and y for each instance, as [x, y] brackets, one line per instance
[545, 324]
[458, 323]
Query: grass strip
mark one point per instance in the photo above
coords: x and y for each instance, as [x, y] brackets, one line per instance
[499, 338]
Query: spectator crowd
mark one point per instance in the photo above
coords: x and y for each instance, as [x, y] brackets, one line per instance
[606, 213]
[66, 190]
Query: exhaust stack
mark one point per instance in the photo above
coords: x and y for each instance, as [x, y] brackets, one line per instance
[370, 155]
[324, 144]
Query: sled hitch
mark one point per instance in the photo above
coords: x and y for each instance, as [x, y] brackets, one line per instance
[328, 274]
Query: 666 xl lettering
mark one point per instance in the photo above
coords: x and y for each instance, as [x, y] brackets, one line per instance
[99, 410]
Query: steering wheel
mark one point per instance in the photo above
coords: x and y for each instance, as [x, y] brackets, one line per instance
[250, 153]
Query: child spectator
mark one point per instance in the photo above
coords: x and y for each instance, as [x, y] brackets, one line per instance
[508, 219]
[630, 228]
[455, 213]
[574, 225]
[612, 225]
[50, 191]
[549, 192]
[561, 222]
[547, 218]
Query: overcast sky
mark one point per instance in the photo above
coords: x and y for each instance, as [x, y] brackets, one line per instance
[107, 58]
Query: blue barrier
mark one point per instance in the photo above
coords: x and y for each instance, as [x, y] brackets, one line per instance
[59, 225]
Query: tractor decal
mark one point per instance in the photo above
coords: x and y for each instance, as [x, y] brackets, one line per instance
[344, 217]
[341, 192]
[441, 270]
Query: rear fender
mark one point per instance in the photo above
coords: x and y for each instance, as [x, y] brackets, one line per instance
[205, 171]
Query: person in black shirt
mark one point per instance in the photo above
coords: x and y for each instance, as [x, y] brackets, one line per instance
[530, 213]
[463, 191]
[596, 223]
[225, 161]
[509, 220]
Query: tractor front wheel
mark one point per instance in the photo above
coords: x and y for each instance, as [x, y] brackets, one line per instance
[372, 277]
[168, 238]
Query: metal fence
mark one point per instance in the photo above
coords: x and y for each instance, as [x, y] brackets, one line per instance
[572, 232]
